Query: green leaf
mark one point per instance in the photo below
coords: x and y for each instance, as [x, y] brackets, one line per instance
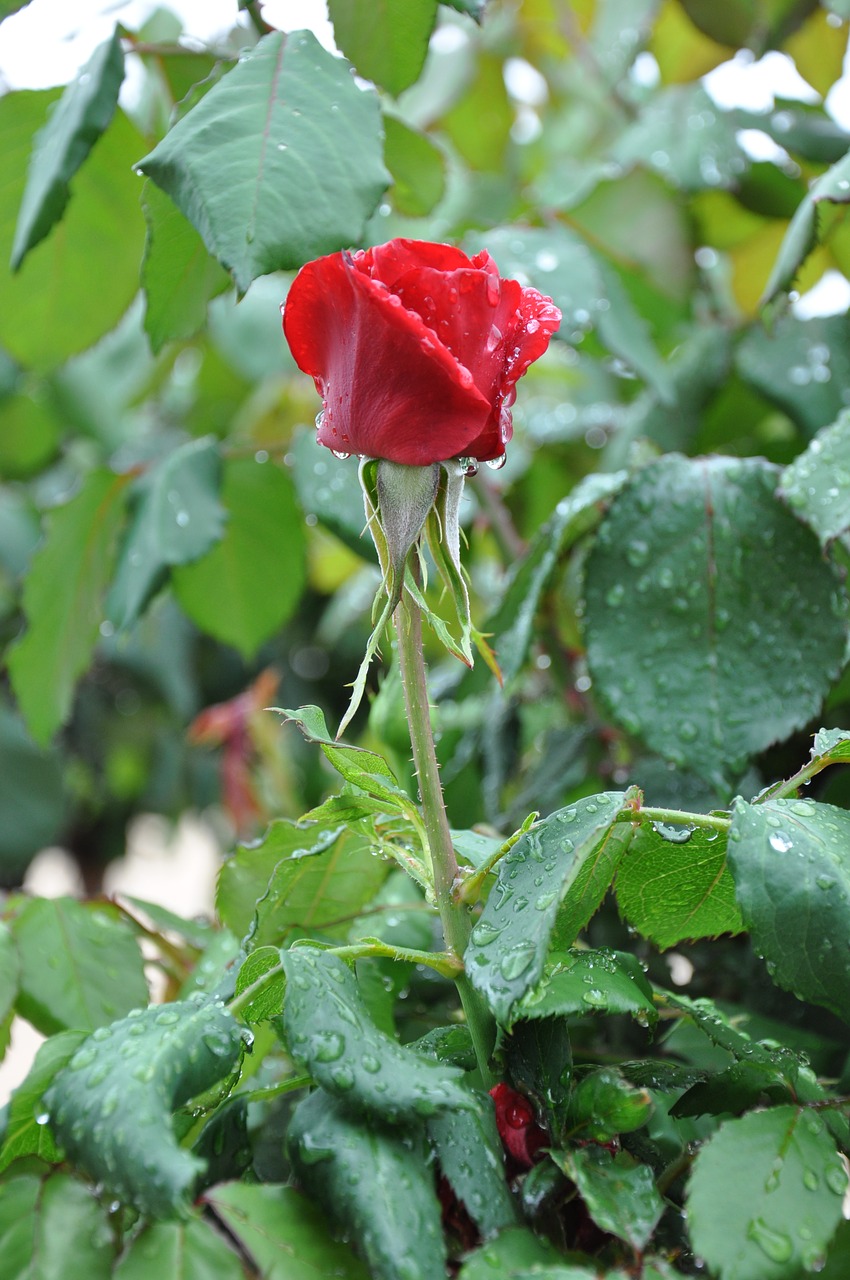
[800, 365]
[80, 967]
[33, 797]
[268, 1002]
[686, 138]
[53, 1230]
[735, 1090]
[802, 234]
[714, 626]
[605, 1104]
[765, 1194]
[191, 1250]
[594, 981]
[178, 518]
[249, 583]
[331, 1035]
[76, 122]
[469, 1153]
[417, 166]
[280, 162]
[672, 888]
[790, 860]
[282, 1232]
[619, 1193]
[179, 277]
[328, 489]
[110, 1108]
[31, 434]
[832, 746]
[9, 971]
[539, 1062]
[387, 40]
[376, 1185]
[518, 1254]
[817, 483]
[101, 241]
[27, 1133]
[554, 878]
[63, 602]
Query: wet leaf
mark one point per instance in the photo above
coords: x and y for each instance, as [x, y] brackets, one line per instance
[26, 1132]
[518, 1254]
[53, 1230]
[330, 1033]
[469, 1154]
[111, 1107]
[81, 967]
[552, 881]
[296, 167]
[619, 1193]
[590, 981]
[282, 1233]
[765, 1194]
[59, 149]
[387, 41]
[802, 234]
[671, 889]
[817, 483]
[327, 489]
[63, 602]
[686, 138]
[268, 1002]
[791, 866]
[417, 166]
[604, 1104]
[539, 1062]
[376, 1185]
[191, 1250]
[714, 626]
[800, 365]
[735, 1090]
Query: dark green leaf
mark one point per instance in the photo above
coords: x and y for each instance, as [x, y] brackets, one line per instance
[417, 166]
[806, 130]
[191, 1250]
[26, 1131]
[33, 798]
[249, 583]
[279, 163]
[561, 868]
[817, 483]
[110, 1108]
[605, 1104]
[63, 602]
[714, 626]
[76, 122]
[268, 1002]
[592, 981]
[790, 860]
[469, 1153]
[518, 1254]
[101, 241]
[53, 1230]
[179, 277]
[670, 888]
[387, 40]
[765, 1194]
[283, 1233]
[80, 967]
[376, 1185]
[800, 365]
[177, 519]
[734, 1090]
[331, 1035]
[686, 138]
[539, 1061]
[619, 1193]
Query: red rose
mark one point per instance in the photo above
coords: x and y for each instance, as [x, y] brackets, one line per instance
[522, 1137]
[415, 349]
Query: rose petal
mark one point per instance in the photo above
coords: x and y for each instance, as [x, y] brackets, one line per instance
[388, 262]
[390, 390]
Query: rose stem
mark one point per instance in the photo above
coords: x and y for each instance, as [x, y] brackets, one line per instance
[454, 915]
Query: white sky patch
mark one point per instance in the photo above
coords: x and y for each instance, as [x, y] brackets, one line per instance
[829, 297]
[525, 83]
[743, 82]
[759, 146]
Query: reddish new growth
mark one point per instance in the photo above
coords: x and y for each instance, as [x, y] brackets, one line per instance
[522, 1137]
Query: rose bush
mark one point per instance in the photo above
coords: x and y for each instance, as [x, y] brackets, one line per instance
[415, 349]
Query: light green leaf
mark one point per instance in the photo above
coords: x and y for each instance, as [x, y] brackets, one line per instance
[249, 583]
[191, 1250]
[765, 1194]
[280, 162]
[110, 1108]
[832, 746]
[817, 483]
[75, 124]
[674, 884]
[74, 287]
[594, 981]
[377, 1186]
[364, 769]
[268, 1002]
[802, 234]
[283, 1233]
[53, 1230]
[714, 626]
[26, 1132]
[552, 880]
[80, 967]
[619, 1193]
[330, 1033]
[790, 860]
[387, 40]
[9, 970]
[178, 518]
[31, 434]
[686, 138]
[63, 602]
[417, 166]
[179, 277]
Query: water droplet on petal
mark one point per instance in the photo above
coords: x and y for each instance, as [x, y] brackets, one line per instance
[496, 464]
